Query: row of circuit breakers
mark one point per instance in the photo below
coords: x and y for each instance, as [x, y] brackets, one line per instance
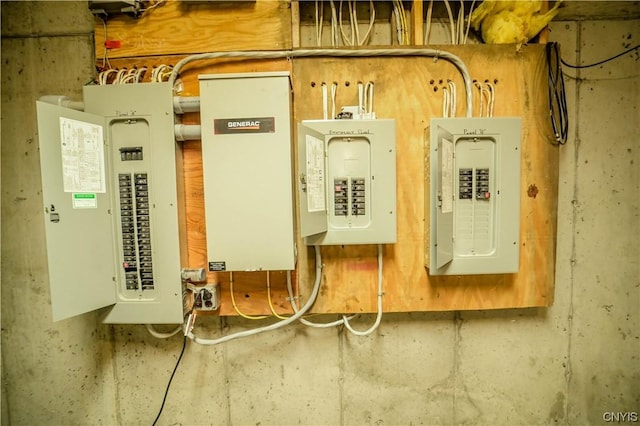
[112, 185]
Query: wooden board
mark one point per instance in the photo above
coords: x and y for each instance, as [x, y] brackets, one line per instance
[180, 27]
[409, 90]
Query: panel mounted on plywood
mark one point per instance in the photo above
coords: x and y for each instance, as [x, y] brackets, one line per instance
[247, 168]
[348, 192]
[110, 192]
[474, 199]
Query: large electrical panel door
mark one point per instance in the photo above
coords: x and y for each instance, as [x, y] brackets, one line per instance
[77, 210]
[474, 196]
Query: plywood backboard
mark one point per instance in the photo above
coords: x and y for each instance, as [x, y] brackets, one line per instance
[408, 89]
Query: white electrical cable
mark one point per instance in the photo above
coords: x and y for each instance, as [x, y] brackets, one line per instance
[104, 76]
[353, 16]
[345, 39]
[129, 77]
[121, 73]
[492, 98]
[403, 22]
[153, 6]
[334, 91]
[140, 73]
[360, 98]
[309, 53]
[451, 22]
[368, 93]
[481, 97]
[160, 72]
[325, 101]
[453, 104]
[105, 57]
[160, 335]
[294, 306]
[380, 295]
[427, 31]
[276, 325]
[466, 34]
[319, 22]
[460, 24]
[372, 18]
[397, 11]
[334, 24]
[445, 102]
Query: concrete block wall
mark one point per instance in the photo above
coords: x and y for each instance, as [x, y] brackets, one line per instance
[568, 364]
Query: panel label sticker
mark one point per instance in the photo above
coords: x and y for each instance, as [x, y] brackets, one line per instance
[82, 147]
[315, 175]
[217, 266]
[230, 126]
[84, 200]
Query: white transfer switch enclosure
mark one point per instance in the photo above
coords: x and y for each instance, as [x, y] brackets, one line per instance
[247, 166]
[347, 181]
[474, 199]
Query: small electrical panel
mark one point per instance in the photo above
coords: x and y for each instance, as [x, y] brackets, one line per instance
[474, 196]
[347, 181]
[247, 167]
[110, 175]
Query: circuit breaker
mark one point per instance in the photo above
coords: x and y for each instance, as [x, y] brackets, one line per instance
[347, 181]
[474, 196]
[110, 177]
[247, 167]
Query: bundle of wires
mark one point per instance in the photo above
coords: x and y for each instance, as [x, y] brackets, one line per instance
[401, 22]
[353, 39]
[457, 31]
[557, 96]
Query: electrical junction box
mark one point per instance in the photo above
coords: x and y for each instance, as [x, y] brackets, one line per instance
[109, 181]
[474, 200]
[347, 181]
[247, 167]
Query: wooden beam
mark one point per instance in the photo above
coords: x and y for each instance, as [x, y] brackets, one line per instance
[177, 27]
[417, 23]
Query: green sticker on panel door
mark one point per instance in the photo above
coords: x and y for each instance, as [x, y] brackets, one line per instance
[84, 200]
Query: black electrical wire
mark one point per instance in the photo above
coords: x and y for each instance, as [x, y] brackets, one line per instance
[558, 111]
[604, 61]
[166, 392]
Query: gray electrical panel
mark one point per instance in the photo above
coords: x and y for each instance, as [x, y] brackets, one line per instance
[247, 167]
[110, 189]
[347, 181]
[474, 196]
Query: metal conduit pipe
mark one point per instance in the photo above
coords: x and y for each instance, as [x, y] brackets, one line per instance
[187, 132]
[182, 104]
[62, 101]
[310, 53]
